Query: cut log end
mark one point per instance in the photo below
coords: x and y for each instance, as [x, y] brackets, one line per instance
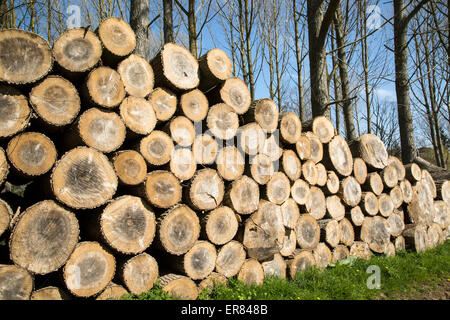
[278, 188]
[182, 163]
[307, 231]
[215, 67]
[322, 255]
[200, 260]
[300, 191]
[302, 260]
[221, 225]
[335, 208]
[6, 214]
[290, 127]
[251, 273]
[105, 87]
[112, 292]
[48, 293]
[130, 167]
[222, 121]
[206, 190]
[350, 190]
[179, 286]
[137, 76]
[316, 203]
[156, 148]
[375, 232]
[164, 103]
[194, 105]
[230, 163]
[261, 169]
[316, 146]
[205, 149]
[275, 267]
[244, 195]
[138, 115]
[290, 213]
[235, 93]
[182, 131]
[140, 273]
[372, 150]
[230, 259]
[117, 37]
[14, 111]
[292, 166]
[359, 170]
[303, 147]
[251, 138]
[16, 283]
[163, 189]
[265, 113]
[322, 127]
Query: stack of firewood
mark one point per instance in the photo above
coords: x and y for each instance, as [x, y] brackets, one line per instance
[138, 171]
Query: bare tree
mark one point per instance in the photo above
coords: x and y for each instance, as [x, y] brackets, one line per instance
[140, 22]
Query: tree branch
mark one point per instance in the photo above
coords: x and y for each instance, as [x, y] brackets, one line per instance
[414, 12]
[327, 20]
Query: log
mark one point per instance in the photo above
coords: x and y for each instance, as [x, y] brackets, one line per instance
[322, 127]
[251, 138]
[442, 214]
[213, 280]
[390, 250]
[373, 183]
[332, 185]
[330, 232]
[4, 166]
[396, 195]
[322, 255]
[215, 67]
[198, 262]
[164, 103]
[233, 92]
[89, 269]
[347, 232]
[375, 232]
[337, 156]
[435, 236]
[156, 148]
[194, 105]
[339, 253]
[206, 190]
[140, 273]
[181, 131]
[243, 195]
[138, 115]
[350, 191]
[278, 188]
[6, 214]
[163, 189]
[395, 225]
[230, 163]
[303, 260]
[361, 250]
[230, 258]
[112, 292]
[83, 179]
[322, 175]
[357, 216]
[251, 273]
[31, 154]
[429, 182]
[371, 149]
[15, 113]
[289, 243]
[413, 172]
[137, 76]
[104, 88]
[49, 293]
[335, 208]
[118, 40]
[303, 147]
[101, 130]
[369, 203]
[205, 149]
[300, 191]
[130, 167]
[76, 52]
[26, 57]
[222, 121]
[175, 68]
[127, 225]
[359, 170]
[275, 267]
[290, 127]
[307, 231]
[399, 244]
[265, 113]
[271, 148]
[261, 168]
[291, 165]
[444, 192]
[264, 232]
[389, 176]
[44, 237]
[220, 225]
[407, 191]
[178, 229]
[316, 154]
[316, 203]
[182, 163]
[178, 286]
[416, 237]
[309, 172]
[399, 167]
[290, 213]
[386, 205]
[56, 101]
[421, 209]
[16, 283]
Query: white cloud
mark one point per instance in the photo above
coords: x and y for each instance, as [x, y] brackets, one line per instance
[385, 95]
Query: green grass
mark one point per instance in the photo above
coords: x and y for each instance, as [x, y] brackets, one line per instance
[399, 275]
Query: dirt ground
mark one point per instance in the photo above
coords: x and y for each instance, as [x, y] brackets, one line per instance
[437, 291]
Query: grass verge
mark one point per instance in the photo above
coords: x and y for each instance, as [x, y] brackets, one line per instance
[401, 276]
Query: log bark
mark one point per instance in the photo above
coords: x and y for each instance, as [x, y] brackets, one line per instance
[130, 167]
[56, 101]
[215, 67]
[26, 57]
[290, 127]
[222, 121]
[164, 103]
[44, 237]
[83, 179]
[220, 225]
[89, 269]
[16, 283]
[140, 273]
[243, 195]
[138, 115]
[307, 231]
[230, 258]
[156, 148]
[179, 286]
[234, 93]
[175, 68]
[251, 273]
[15, 113]
[194, 105]
[137, 76]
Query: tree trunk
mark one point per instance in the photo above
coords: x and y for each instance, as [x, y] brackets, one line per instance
[168, 21]
[140, 23]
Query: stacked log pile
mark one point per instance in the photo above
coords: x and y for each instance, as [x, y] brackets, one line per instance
[140, 171]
